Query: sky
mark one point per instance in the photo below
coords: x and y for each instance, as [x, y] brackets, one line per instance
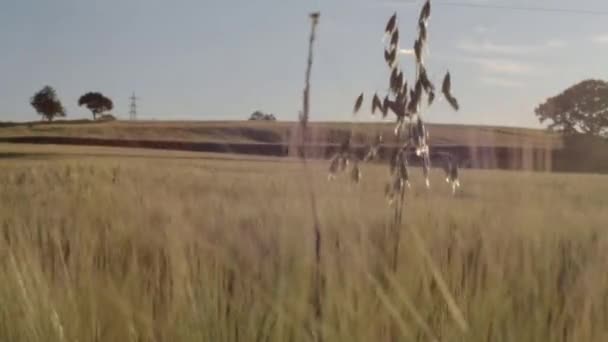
[222, 60]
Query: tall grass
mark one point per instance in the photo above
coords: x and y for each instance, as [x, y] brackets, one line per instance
[169, 250]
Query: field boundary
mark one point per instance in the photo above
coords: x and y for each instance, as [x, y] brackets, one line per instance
[481, 157]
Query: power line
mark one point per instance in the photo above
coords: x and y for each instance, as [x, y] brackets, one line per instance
[507, 7]
[521, 8]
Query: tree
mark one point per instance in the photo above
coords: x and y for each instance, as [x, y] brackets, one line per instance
[582, 108]
[259, 116]
[97, 103]
[47, 104]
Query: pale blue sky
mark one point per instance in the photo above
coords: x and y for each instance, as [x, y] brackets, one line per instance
[197, 59]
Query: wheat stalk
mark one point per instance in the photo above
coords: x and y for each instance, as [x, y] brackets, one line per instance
[304, 117]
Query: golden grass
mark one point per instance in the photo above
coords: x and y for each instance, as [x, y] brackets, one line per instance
[176, 249]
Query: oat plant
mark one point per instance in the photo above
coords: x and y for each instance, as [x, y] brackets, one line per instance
[407, 102]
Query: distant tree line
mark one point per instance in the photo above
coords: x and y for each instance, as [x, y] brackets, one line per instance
[47, 104]
[580, 109]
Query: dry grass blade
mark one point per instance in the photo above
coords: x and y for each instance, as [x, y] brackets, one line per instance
[395, 39]
[453, 308]
[394, 107]
[355, 174]
[385, 106]
[411, 308]
[394, 162]
[446, 86]
[390, 308]
[391, 24]
[446, 89]
[358, 104]
[394, 81]
[415, 96]
[422, 32]
[334, 166]
[392, 58]
[420, 133]
[398, 167]
[418, 51]
[387, 57]
[431, 97]
[403, 173]
[425, 13]
[376, 104]
[425, 81]
[426, 166]
[399, 84]
[453, 102]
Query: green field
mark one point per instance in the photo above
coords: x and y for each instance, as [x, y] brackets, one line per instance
[100, 244]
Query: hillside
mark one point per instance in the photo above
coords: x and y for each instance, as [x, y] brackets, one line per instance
[244, 132]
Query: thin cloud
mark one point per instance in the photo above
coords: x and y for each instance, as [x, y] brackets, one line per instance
[501, 66]
[500, 82]
[600, 39]
[555, 43]
[488, 47]
[481, 29]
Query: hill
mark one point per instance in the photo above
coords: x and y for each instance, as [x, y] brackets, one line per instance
[476, 146]
[248, 132]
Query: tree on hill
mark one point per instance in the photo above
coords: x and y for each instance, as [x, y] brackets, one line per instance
[97, 103]
[582, 108]
[47, 104]
[260, 116]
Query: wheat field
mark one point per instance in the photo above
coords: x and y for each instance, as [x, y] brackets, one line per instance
[100, 245]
